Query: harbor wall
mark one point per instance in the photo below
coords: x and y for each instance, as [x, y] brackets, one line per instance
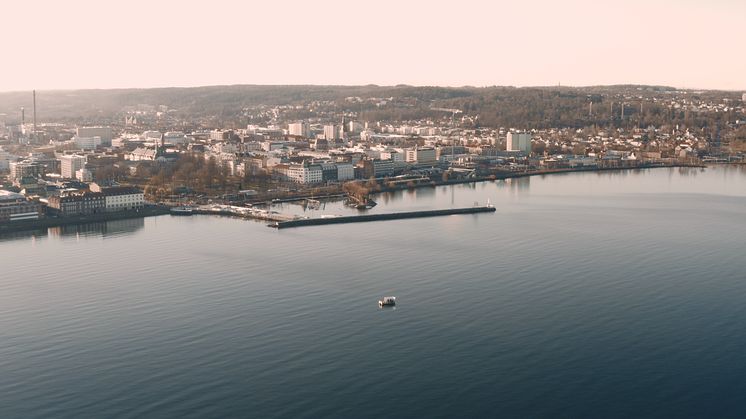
[380, 217]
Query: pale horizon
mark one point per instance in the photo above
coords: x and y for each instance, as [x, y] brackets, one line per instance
[86, 45]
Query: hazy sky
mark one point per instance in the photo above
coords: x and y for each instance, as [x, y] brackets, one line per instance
[134, 43]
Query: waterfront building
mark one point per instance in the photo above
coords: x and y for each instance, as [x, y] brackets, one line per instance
[78, 203]
[15, 207]
[70, 164]
[378, 168]
[518, 141]
[328, 172]
[120, 198]
[345, 171]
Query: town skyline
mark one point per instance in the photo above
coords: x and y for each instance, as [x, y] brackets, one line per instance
[83, 45]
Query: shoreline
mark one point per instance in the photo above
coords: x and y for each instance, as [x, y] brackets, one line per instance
[156, 210]
[500, 176]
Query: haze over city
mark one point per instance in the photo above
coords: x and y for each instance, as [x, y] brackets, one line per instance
[89, 44]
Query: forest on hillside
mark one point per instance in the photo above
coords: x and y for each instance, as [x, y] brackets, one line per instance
[527, 107]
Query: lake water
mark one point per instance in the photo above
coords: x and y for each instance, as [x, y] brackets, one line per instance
[613, 294]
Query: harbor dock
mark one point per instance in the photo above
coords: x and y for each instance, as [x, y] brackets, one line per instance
[380, 217]
[243, 212]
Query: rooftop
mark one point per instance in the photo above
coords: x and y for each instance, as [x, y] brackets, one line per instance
[10, 196]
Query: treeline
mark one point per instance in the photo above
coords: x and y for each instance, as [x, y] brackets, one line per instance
[578, 108]
[529, 107]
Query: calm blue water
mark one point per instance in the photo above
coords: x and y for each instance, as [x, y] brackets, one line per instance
[586, 295]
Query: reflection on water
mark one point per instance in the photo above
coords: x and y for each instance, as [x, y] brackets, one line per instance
[104, 229]
[17, 235]
[689, 171]
[517, 184]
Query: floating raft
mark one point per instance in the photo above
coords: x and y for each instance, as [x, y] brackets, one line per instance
[380, 217]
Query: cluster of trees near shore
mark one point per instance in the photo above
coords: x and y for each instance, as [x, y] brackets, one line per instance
[191, 172]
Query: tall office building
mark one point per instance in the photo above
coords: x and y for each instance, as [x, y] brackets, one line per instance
[300, 129]
[331, 132]
[70, 164]
[519, 141]
[103, 132]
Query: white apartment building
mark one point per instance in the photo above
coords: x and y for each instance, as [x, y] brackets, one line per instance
[518, 141]
[120, 198]
[303, 173]
[70, 164]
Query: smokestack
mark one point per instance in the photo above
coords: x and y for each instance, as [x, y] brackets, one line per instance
[34, 136]
[23, 116]
[622, 110]
[590, 109]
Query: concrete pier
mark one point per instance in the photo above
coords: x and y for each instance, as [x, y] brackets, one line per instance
[380, 217]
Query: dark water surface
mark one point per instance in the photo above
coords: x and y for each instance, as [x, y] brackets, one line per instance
[615, 294]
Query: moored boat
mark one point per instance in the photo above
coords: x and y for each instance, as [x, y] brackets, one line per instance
[182, 210]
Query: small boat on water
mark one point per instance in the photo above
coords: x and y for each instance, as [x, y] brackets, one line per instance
[182, 210]
[387, 302]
